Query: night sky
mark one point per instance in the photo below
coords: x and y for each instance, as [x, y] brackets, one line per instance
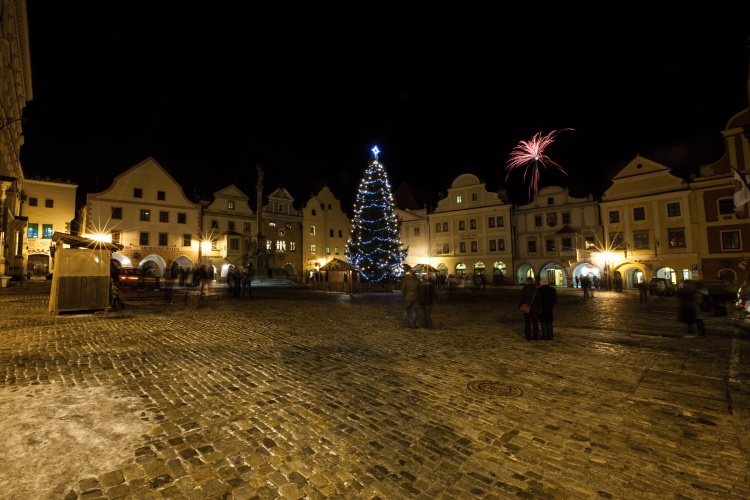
[306, 94]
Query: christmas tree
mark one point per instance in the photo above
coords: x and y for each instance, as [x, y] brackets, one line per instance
[374, 246]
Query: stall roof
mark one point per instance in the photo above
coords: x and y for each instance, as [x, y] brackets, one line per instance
[81, 242]
[338, 265]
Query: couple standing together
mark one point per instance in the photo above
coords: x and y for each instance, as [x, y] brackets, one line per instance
[541, 302]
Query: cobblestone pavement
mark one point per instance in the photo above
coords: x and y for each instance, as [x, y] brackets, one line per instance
[297, 394]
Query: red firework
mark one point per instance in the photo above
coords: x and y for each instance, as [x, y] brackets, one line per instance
[529, 155]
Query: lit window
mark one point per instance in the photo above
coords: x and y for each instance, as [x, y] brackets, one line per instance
[677, 239]
[336, 250]
[280, 246]
[312, 248]
[46, 230]
[116, 237]
[328, 250]
[458, 199]
[32, 231]
[312, 230]
[272, 223]
[292, 246]
[230, 205]
[145, 215]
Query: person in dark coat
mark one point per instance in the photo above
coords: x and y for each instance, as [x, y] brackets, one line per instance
[530, 295]
[409, 289]
[426, 297]
[691, 295]
[548, 297]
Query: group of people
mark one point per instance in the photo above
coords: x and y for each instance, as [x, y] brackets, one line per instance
[419, 295]
[541, 302]
[240, 281]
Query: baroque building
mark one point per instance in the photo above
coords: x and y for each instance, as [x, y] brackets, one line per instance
[49, 207]
[325, 231]
[15, 74]
[556, 236]
[146, 211]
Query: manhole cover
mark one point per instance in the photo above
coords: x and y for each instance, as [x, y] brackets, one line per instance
[494, 388]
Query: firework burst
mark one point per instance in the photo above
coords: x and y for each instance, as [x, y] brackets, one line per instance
[530, 156]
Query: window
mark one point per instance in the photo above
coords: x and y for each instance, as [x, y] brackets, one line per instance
[187, 240]
[46, 230]
[589, 242]
[280, 207]
[462, 225]
[116, 237]
[33, 202]
[322, 206]
[163, 216]
[640, 240]
[531, 246]
[677, 238]
[550, 245]
[501, 245]
[537, 221]
[247, 226]
[336, 250]
[143, 239]
[314, 212]
[444, 248]
[472, 224]
[458, 199]
[49, 203]
[181, 218]
[116, 213]
[137, 193]
[474, 246]
[161, 195]
[214, 224]
[288, 225]
[312, 248]
[272, 223]
[726, 206]
[32, 231]
[615, 241]
[145, 215]
[491, 222]
[438, 227]
[230, 225]
[416, 231]
[566, 218]
[230, 205]
[474, 196]
[292, 246]
[234, 244]
[328, 250]
[339, 233]
[163, 239]
[730, 240]
[281, 246]
[493, 246]
[462, 247]
[445, 227]
[614, 216]
[567, 244]
[550, 201]
[500, 221]
[329, 206]
[312, 230]
[331, 233]
[214, 245]
[268, 245]
[639, 213]
[673, 209]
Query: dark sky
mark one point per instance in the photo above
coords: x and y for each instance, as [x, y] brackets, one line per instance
[211, 92]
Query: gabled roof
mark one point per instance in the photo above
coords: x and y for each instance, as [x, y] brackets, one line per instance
[566, 229]
[411, 197]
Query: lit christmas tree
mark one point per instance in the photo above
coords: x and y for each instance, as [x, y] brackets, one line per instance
[374, 246]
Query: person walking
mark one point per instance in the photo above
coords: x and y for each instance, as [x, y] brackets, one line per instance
[409, 290]
[530, 296]
[642, 292]
[691, 295]
[548, 298]
[585, 286]
[426, 297]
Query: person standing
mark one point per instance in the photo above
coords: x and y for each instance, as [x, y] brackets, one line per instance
[247, 279]
[642, 292]
[530, 296]
[409, 290]
[585, 286]
[548, 298]
[426, 297]
[691, 295]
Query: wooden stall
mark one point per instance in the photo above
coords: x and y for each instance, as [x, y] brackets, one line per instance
[80, 277]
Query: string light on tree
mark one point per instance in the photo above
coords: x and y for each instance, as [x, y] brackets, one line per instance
[374, 246]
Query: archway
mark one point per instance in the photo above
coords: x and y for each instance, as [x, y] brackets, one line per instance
[155, 265]
[499, 272]
[524, 271]
[555, 274]
[667, 273]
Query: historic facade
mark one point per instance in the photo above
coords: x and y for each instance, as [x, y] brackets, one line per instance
[557, 236]
[49, 206]
[325, 232]
[282, 234]
[146, 211]
[15, 74]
